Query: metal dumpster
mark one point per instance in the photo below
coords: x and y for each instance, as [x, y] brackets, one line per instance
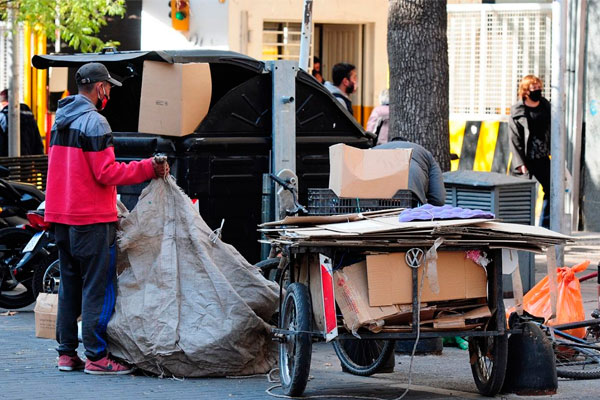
[510, 198]
[222, 163]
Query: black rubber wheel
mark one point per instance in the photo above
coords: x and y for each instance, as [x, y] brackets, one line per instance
[296, 351]
[488, 357]
[269, 268]
[12, 242]
[576, 362]
[363, 357]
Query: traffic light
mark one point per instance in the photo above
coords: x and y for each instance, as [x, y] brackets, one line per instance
[180, 14]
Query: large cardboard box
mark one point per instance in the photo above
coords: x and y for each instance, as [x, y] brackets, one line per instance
[390, 279]
[46, 309]
[367, 173]
[175, 97]
[351, 295]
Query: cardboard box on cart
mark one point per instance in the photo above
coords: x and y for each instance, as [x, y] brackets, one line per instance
[351, 295]
[390, 279]
[174, 98]
[368, 174]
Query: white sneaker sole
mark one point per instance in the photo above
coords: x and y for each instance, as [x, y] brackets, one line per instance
[69, 369]
[87, 371]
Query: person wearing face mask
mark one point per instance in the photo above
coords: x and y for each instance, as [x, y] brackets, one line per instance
[81, 205]
[345, 82]
[529, 126]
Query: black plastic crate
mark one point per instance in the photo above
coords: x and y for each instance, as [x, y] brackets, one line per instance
[326, 202]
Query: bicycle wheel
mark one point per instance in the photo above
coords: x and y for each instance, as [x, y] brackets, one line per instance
[363, 357]
[488, 356]
[295, 353]
[575, 360]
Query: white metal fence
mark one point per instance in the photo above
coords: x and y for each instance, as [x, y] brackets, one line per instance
[490, 48]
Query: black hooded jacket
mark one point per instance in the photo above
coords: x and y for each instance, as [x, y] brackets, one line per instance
[31, 141]
[520, 138]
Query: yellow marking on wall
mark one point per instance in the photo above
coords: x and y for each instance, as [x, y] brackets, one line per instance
[366, 112]
[457, 133]
[486, 145]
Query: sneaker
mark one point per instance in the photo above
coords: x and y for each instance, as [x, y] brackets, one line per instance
[70, 363]
[106, 366]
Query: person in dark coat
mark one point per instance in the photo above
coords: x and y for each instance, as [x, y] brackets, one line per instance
[31, 141]
[529, 126]
[425, 178]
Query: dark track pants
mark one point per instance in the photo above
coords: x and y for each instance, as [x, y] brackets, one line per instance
[88, 279]
[540, 169]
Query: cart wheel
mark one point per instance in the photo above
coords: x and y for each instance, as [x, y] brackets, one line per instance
[363, 357]
[488, 356]
[296, 351]
[269, 268]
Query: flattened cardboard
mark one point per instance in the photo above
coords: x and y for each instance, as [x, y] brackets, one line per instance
[390, 279]
[175, 97]
[350, 286]
[367, 173]
[46, 309]
[462, 320]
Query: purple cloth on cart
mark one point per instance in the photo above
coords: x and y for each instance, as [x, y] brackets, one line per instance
[429, 213]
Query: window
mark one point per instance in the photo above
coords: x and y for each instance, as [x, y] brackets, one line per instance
[281, 40]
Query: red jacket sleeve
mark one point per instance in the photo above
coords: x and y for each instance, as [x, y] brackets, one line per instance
[108, 171]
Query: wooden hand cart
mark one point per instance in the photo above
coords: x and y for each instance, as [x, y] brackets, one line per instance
[488, 344]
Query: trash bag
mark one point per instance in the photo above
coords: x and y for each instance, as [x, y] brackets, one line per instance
[188, 304]
[569, 304]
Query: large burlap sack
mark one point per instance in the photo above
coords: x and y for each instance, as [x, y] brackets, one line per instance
[186, 306]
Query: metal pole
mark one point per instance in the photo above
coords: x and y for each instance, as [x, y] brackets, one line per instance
[14, 103]
[558, 136]
[306, 35]
[283, 156]
[580, 72]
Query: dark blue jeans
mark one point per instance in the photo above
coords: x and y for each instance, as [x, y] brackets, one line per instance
[88, 280]
[540, 169]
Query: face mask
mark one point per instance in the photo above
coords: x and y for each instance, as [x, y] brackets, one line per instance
[101, 102]
[535, 95]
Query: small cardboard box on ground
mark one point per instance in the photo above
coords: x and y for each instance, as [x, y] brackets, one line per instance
[175, 97]
[368, 174]
[351, 295]
[390, 279]
[46, 309]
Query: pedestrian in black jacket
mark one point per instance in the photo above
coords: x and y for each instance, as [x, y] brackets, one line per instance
[31, 141]
[529, 125]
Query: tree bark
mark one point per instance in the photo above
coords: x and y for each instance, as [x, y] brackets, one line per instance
[418, 57]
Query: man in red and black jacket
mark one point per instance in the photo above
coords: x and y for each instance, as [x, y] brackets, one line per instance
[81, 202]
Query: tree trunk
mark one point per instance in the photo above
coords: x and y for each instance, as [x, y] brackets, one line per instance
[418, 57]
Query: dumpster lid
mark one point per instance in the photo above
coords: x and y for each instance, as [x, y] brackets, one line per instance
[169, 56]
[483, 179]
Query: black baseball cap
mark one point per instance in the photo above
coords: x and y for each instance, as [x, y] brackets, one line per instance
[94, 72]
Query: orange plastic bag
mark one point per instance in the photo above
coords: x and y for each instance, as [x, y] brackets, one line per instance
[569, 304]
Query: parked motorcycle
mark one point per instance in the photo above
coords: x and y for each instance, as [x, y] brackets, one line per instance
[25, 254]
[16, 199]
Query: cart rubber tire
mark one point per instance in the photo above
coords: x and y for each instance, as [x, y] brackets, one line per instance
[488, 356]
[363, 357]
[295, 353]
[269, 268]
